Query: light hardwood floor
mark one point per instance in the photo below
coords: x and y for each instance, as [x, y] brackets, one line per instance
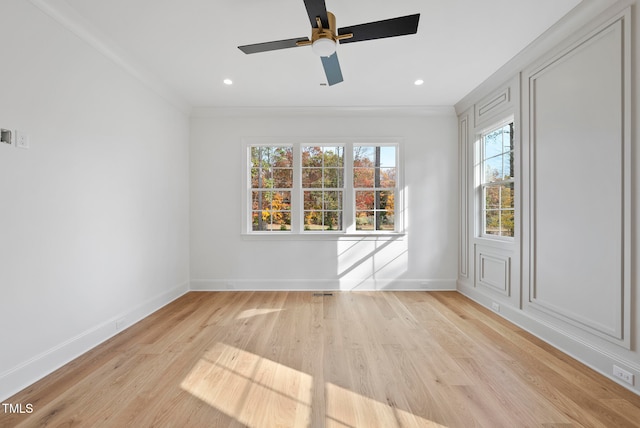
[354, 359]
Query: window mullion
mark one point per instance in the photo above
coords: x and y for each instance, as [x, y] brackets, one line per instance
[348, 195]
[284, 207]
[296, 192]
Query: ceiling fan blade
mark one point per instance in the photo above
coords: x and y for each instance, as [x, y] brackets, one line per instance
[332, 69]
[317, 8]
[271, 46]
[380, 29]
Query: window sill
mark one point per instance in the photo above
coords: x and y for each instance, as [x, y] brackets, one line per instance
[498, 242]
[335, 236]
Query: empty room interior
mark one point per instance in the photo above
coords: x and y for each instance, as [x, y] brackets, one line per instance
[309, 213]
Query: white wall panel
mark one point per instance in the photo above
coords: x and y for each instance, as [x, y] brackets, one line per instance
[493, 270]
[579, 190]
[578, 179]
[493, 262]
[492, 106]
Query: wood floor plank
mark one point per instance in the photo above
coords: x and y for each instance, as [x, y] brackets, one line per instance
[350, 359]
[552, 377]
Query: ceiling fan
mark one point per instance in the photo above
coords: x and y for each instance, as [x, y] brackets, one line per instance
[324, 38]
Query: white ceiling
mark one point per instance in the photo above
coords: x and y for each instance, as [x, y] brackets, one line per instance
[191, 46]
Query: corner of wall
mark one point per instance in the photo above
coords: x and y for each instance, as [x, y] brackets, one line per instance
[18, 378]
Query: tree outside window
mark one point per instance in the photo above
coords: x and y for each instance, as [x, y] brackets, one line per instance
[497, 185]
[271, 184]
[374, 181]
[322, 188]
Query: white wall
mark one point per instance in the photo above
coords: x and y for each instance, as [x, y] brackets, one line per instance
[94, 216]
[578, 234]
[424, 258]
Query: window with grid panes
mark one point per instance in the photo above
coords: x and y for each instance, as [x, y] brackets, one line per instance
[271, 187]
[496, 182]
[322, 187]
[374, 182]
[328, 188]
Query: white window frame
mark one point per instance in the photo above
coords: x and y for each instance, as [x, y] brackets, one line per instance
[395, 189]
[267, 189]
[297, 203]
[322, 189]
[481, 185]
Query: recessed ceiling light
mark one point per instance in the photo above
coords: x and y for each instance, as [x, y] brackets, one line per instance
[418, 82]
[228, 82]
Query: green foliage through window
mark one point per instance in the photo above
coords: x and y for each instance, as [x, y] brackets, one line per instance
[497, 166]
[307, 187]
[271, 184]
[374, 180]
[323, 187]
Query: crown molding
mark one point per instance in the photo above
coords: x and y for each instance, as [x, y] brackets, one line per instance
[69, 18]
[352, 111]
[577, 18]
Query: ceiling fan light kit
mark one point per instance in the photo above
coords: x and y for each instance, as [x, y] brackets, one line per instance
[325, 38]
[323, 47]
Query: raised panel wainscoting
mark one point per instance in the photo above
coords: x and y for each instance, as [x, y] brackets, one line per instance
[577, 152]
[568, 273]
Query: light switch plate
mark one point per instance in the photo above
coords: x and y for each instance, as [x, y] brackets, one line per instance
[22, 139]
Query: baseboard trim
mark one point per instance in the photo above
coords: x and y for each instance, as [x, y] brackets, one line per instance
[323, 284]
[589, 354]
[20, 377]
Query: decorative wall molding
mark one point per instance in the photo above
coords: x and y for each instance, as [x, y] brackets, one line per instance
[463, 153]
[586, 286]
[564, 29]
[493, 271]
[490, 107]
[591, 320]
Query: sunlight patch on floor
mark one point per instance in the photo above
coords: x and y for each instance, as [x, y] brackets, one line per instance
[347, 408]
[250, 388]
[255, 390]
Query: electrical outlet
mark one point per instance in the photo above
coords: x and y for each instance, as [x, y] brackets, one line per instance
[495, 306]
[623, 375]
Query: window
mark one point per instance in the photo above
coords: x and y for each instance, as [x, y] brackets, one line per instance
[496, 181]
[325, 188]
[374, 182]
[271, 185]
